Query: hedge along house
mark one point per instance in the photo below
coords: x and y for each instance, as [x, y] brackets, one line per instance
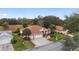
[37, 31]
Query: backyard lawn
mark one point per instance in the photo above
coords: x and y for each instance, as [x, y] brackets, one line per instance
[20, 44]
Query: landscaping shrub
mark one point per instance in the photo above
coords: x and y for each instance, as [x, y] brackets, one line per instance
[19, 44]
[56, 37]
[13, 41]
[76, 37]
[70, 43]
[26, 32]
[17, 31]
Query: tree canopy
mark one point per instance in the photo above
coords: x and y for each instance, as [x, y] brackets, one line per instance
[53, 28]
[26, 32]
[48, 20]
[5, 25]
[43, 21]
[72, 23]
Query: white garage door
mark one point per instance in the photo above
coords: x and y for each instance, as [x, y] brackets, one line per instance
[36, 36]
[39, 40]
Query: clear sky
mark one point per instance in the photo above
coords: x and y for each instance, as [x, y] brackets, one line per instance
[34, 12]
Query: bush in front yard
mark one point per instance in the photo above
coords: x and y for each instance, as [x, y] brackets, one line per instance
[17, 31]
[26, 32]
[19, 44]
[69, 43]
[56, 37]
[13, 41]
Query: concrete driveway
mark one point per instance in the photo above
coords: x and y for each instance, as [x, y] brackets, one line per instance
[40, 41]
[56, 46]
[5, 41]
[6, 47]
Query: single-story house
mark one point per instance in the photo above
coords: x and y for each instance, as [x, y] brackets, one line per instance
[37, 31]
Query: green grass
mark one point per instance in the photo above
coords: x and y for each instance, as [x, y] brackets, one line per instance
[56, 37]
[28, 44]
[21, 44]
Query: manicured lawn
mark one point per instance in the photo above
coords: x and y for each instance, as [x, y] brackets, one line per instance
[56, 37]
[21, 44]
[28, 44]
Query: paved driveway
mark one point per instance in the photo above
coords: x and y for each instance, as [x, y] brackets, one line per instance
[40, 41]
[5, 41]
[6, 47]
[58, 46]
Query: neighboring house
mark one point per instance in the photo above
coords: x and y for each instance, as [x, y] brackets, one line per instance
[59, 28]
[65, 32]
[37, 31]
[5, 37]
[12, 27]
